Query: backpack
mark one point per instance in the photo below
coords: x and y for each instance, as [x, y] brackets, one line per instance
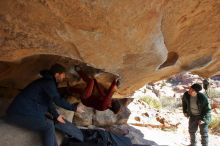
[100, 138]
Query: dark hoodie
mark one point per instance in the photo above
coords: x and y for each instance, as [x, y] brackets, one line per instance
[38, 98]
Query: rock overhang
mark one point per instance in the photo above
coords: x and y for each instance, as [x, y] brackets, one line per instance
[142, 41]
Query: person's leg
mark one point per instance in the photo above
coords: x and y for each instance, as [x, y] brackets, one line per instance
[110, 91]
[88, 90]
[44, 126]
[99, 88]
[69, 129]
[111, 88]
[89, 81]
[105, 100]
[204, 134]
[48, 134]
[193, 127]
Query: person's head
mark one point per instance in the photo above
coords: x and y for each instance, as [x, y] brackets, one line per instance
[58, 71]
[116, 106]
[194, 89]
[205, 84]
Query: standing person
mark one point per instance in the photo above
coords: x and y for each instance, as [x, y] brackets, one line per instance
[29, 108]
[196, 107]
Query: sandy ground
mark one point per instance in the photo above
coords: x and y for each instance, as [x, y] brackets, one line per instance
[179, 137]
[175, 138]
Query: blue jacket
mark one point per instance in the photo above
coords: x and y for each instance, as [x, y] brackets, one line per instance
[38, 98]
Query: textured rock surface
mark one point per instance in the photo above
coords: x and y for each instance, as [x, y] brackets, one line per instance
[104, 118]
[143, 41]
[15, 136]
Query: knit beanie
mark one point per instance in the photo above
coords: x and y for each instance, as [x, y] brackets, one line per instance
[57, 68]
[196, 87]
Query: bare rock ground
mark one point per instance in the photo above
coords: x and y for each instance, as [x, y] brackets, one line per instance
[170, 137]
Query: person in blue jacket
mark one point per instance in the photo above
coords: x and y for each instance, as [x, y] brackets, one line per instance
[30, 106]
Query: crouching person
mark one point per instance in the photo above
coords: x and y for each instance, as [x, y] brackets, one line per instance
[28, 108]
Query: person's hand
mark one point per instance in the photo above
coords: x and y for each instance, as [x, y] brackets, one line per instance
[186, 115]
[61, 119]
[80, 108]
[201, 122]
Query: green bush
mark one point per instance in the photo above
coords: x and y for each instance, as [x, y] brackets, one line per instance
[151, 102]
[170, 102]
[215, 125]
[167, 102]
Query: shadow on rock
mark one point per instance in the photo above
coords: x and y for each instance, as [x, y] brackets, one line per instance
[137, 138]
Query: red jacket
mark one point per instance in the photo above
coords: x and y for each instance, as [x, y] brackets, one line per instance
[95, 101]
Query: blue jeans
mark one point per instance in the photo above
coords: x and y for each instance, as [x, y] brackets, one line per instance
[46, 128]
[70, 130]
[193, 127]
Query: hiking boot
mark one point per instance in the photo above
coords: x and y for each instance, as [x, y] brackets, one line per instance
[77, 68]
[118, 81]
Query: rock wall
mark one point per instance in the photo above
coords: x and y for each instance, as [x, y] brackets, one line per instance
[15, 136]
[142, 41]
[104, 118]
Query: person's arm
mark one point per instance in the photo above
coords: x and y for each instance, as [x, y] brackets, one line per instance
[53, 115]
[206, 109]
[106, 98]
[184, 105]
[53, 111]
[52, 92]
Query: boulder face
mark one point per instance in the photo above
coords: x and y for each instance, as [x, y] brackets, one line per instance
[142, 41]
[12, 135]
[103, 118]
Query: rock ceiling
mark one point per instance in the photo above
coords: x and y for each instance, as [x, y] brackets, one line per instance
[143, 41]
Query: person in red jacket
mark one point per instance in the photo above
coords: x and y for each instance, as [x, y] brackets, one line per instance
[103, 99]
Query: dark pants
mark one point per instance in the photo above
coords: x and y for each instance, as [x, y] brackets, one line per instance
[193, 127]
[70, 130]
[46, 128]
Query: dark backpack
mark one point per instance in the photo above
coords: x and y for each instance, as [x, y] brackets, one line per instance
[100, 138]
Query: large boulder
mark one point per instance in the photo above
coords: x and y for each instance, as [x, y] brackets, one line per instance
[15, 136]
[103, 118]
[142, 41]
